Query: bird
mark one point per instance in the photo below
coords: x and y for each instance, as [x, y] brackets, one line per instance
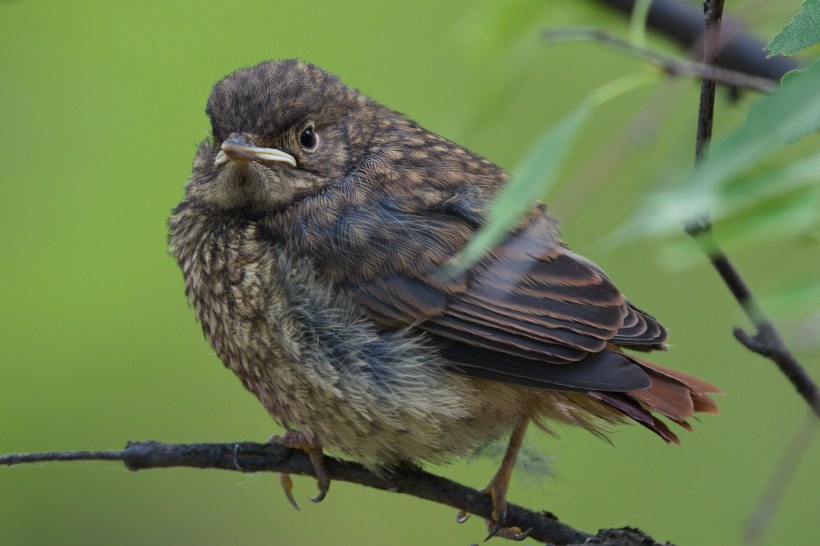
[316, 238]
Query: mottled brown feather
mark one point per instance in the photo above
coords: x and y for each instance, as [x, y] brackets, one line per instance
[528, 299]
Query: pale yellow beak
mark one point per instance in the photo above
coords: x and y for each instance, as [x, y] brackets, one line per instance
[241, 147]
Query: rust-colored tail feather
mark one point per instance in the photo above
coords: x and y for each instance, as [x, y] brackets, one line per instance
[635, 411]
[673, 394]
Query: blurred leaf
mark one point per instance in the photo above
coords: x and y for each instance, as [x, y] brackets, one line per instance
[539, 169]
[747, 192]
[780, 217]
[531, 179]
[784, 117]
[799, 33]
[637, 23]
[781, 118]
[790, 74]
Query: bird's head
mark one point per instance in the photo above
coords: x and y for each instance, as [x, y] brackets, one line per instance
[281, 130]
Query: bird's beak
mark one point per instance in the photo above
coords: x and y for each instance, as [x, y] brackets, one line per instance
[241, 147]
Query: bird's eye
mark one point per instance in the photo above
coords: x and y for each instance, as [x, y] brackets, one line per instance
[308, 137]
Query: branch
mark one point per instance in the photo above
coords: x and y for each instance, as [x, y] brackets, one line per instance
[673, 66]
[767, 341]
[252, 457]
[711, 49]
[683, 23]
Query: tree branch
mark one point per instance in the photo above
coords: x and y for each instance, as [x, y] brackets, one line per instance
[673, 66]
[711, 49]
[767, 341]
[252, 457]
[683, 22]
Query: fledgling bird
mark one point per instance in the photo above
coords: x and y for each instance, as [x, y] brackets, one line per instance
[313, 239]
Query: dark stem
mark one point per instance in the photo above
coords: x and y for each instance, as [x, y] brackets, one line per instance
[252, 457]
[767, 341]
[711, 48]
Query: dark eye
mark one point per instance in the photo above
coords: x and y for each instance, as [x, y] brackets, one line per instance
[308, 137]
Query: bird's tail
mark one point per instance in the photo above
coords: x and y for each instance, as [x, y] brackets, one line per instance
[673, 394]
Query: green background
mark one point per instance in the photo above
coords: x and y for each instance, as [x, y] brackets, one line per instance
[101, 108]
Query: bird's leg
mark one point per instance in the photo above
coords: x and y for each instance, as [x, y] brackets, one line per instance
[297, 440]
[497, 488]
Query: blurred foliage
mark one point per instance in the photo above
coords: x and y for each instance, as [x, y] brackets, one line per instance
[538, 171]
[726, 182]
[101, 105]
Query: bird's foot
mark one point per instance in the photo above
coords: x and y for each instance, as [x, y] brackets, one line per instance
[497, 489]
[497, 527]
[297, 440]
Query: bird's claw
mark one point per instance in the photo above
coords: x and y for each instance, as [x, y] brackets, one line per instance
[499, 529]
[521, 535]
[514, 533]
[497, 526]
[323, 487]
[500, 517]
[287, 486]
[297, 440]
[320, 467]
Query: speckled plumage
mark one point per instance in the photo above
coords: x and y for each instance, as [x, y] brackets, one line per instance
[320, 366]
[317, 279]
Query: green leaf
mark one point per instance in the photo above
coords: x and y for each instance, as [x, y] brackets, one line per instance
[782, 216]
[785, 216]
[790, 74]
[779, 119]
[799, 33]
[532, 178]
[782, 118]
[637, 23]
[750, 191]
[539, 169]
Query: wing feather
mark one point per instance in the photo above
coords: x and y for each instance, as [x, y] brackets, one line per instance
[532, 312]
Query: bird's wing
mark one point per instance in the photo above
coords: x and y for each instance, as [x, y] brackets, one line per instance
[531, 313]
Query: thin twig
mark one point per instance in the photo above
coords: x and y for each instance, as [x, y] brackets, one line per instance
[682, 21]
[252, 457]
[674, 66]
[711, 49]
[51, 456]
[767, 341]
